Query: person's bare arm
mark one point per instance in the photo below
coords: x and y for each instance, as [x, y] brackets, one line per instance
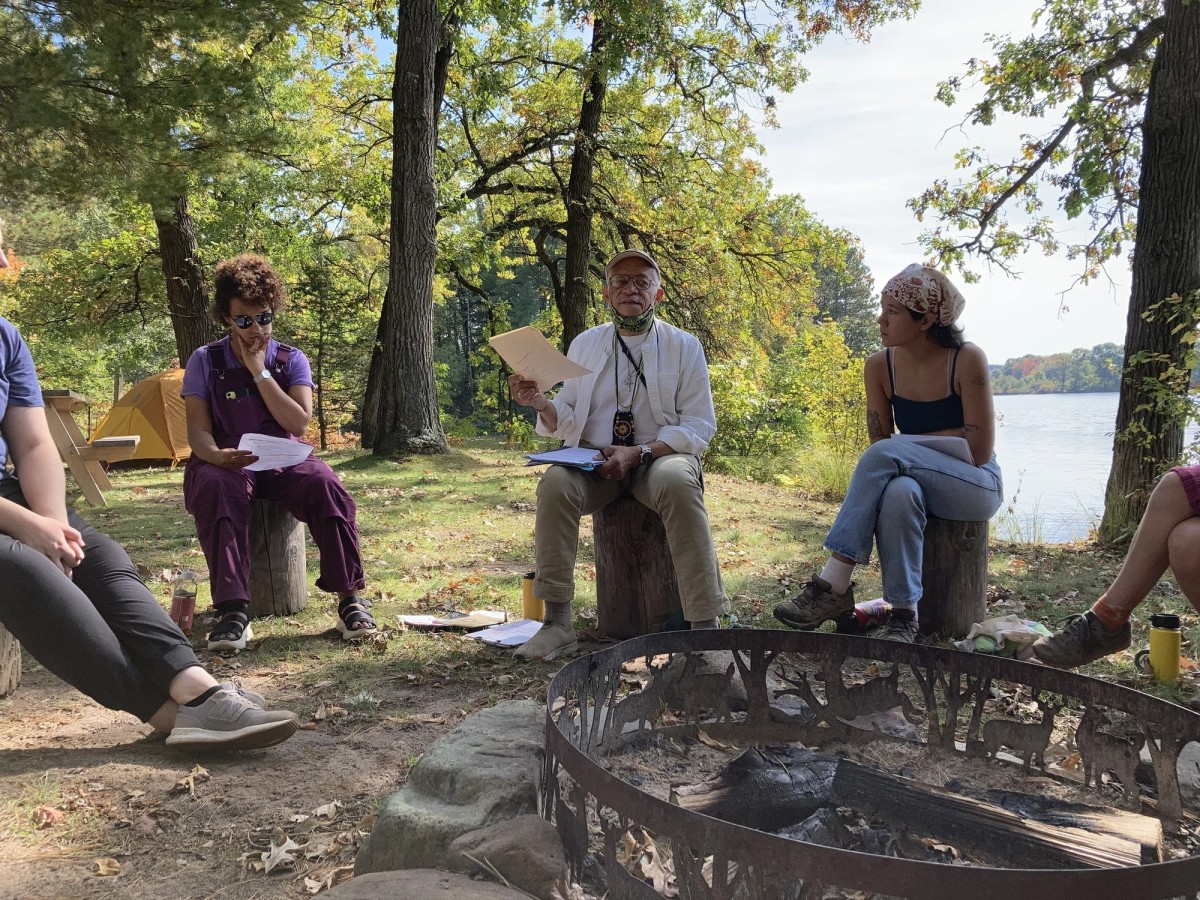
[879, 408]
[979, 416]
[43, 526]
[526, 393]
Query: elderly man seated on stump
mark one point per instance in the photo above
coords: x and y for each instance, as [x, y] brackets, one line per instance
[646, 408]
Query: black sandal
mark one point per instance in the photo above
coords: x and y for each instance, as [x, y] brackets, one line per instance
[354, 622]
[233, 631]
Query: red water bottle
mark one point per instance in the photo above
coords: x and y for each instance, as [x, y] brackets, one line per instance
[183, 600]
[865, 616]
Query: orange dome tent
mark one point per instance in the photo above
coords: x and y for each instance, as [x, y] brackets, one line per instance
[152, 409]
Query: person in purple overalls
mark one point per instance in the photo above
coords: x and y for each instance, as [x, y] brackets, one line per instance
[249, 383]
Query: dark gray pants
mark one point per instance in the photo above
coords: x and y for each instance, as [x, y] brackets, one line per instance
[101, 631]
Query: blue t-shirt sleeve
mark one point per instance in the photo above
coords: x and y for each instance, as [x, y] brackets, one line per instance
[19, 375]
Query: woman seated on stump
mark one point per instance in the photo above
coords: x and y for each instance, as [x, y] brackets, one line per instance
[74, 600]
[249, 383]
[928, 381]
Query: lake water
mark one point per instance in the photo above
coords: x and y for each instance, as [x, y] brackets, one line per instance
[1055, 451]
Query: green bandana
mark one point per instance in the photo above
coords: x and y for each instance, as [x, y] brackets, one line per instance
[636, 324]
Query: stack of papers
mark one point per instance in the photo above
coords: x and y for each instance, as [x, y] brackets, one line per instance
[510, 634]
[577, 457]
[453, 618]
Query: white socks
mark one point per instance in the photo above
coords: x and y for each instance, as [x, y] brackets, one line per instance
[837, 573]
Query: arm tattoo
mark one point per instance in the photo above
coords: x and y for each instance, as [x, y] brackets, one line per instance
[968, 428]
[875, 426]
[978, 380]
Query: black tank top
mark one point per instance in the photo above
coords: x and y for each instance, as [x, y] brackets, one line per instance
[923, 417]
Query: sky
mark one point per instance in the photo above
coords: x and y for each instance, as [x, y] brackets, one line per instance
[864, 134]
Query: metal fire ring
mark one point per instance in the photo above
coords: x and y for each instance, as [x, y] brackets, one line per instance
[587, 718]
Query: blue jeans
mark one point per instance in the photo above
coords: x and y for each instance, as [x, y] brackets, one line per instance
[895, 487]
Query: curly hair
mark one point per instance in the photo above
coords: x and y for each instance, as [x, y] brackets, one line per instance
[251, 279]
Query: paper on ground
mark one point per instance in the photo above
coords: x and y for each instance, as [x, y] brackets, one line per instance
[273, 452]
[478, 618]
[943, 443]
[510, 634]
[579, 457]
[528, 353]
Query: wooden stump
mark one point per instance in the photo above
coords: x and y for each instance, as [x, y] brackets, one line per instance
[954, 577]
[278, 579]
[636, 590]
[10, 662]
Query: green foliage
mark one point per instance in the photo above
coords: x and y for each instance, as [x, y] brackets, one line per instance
[1080, 371]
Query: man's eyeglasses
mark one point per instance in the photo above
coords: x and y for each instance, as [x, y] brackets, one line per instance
[641, 282]
[263, 319]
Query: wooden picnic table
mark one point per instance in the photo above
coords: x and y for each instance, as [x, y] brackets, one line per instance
[84, 458]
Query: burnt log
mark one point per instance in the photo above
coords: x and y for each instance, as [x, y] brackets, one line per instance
[636, 589]
[10, 662]
[769, 790]
[953, 577]
[278, 578]
[978, 826]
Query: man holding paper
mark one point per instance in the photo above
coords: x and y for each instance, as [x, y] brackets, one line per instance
[246, 384]
[645, 406]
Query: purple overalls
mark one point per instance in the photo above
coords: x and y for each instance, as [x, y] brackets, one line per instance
[219, 499]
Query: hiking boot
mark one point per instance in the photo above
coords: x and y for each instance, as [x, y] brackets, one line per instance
[900, 628]
[1082, 640]
[229, 721]
[816, 603]
[551, 642]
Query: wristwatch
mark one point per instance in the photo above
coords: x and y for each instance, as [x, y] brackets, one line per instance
[647, 455]
[262, 376]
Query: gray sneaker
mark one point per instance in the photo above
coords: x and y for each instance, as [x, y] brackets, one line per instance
[229, 721]
[1082, 640]
[816, 603]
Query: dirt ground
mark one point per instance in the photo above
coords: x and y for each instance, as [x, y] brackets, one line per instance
[168, 824]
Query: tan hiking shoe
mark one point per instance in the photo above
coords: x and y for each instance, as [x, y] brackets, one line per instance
[551, 642]
[816, 603]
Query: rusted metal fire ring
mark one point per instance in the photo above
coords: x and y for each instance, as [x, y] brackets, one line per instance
[582, 704]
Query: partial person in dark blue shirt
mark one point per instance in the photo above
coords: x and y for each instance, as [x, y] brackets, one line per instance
[927, 380]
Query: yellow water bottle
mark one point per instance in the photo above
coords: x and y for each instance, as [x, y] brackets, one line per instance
[1165, 641]
[531, 606]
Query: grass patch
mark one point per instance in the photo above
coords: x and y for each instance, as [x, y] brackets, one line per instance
[457, 530]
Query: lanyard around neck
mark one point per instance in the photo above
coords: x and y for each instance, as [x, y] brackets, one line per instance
[637, 367]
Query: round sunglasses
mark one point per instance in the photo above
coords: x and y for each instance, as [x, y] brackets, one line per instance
[263, 319]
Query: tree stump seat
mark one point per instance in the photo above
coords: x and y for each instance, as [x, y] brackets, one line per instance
[636, 588]
[953, 577]
[278, 575]
[10, 662]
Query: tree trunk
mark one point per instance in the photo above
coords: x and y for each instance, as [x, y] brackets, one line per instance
[1166, 270]
[577, 290]
[400, 410]
[187, 289]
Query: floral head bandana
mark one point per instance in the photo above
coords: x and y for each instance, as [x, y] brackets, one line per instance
[926, 290]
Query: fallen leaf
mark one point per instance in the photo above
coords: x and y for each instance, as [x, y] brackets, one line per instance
[107, 866]
[47, 816]
[710, 742]
[279, 855]
[1074, 761]
[328, 810]
[308, 726]
[187, 784]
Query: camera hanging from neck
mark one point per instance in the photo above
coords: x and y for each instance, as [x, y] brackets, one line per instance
[622, 435]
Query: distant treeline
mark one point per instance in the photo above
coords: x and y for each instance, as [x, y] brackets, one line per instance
[1080, 371]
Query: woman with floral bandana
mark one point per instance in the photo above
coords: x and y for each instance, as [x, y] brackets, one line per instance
[927, 380]
[249, 383]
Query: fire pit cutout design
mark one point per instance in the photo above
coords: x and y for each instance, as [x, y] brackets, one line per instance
[817, 690]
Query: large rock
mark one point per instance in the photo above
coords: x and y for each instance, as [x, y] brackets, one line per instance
[484, 771]
[419, 884]
[526, 851]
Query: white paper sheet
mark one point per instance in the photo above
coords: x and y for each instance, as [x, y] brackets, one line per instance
[943, 443]
[510, 634]
[273, 452]
[527, 352]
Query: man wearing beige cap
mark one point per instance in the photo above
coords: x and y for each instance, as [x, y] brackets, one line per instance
[646, 408]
